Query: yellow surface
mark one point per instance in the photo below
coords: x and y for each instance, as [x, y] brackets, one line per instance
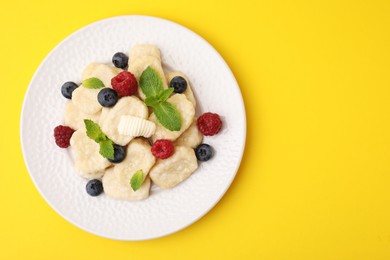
[315, 179]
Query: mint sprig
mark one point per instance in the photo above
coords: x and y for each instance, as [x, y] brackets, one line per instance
[93, 83]
[95, 133]
[156, 97]
[136, 180]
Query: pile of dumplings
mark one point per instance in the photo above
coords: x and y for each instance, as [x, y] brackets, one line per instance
[165, 173]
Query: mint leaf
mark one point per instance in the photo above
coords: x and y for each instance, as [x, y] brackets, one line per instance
[94, 131]
[151, 101]
[150, 82]
[107, 149]
[136, 180]
[93, 83]
[168, 116]
[156, 97]
[164, 95]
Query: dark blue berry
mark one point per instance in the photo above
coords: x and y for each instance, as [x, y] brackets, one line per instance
[120, 60]
[68, 88]
[119, 154]
[107, 97]
[94, 187]
[179, 84]
[204, 152]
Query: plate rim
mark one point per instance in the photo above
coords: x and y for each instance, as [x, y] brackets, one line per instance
[69, 37]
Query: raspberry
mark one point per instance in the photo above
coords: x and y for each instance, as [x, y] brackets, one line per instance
[162, 149]
[62, 135]
[209, 123]
[124, 84]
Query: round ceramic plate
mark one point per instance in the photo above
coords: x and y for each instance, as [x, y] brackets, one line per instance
[165, 211]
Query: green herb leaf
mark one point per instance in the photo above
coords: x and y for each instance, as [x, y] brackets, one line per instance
[94, 131]
[107, 149]
[150, 82]
[93, 83]
[151, 101]
[136, 180]
[168, 116]
[156, 97]
[164, 95]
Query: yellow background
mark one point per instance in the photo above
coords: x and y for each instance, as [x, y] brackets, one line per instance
[315, 179]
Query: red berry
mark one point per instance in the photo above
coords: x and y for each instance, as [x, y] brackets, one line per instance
[62, 135]
[209, 123]
[124, 84]
[162, 149]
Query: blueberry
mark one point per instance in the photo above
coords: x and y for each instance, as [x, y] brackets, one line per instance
[120, 60]
[204, 152]
[179, 84]
[107, 97]
[94, 187]
[119, 154]
[68, 88]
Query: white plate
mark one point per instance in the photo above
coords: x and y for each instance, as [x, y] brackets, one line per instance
[165, 211]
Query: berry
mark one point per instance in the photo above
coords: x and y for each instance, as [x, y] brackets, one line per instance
[209, 123]
[179, 84]
[94, 187]
[107, 97]
[120, 60]
[125, 84]
[68, 88]
[62, 135]
[162, 149]
[119, 154]
[204, 152]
